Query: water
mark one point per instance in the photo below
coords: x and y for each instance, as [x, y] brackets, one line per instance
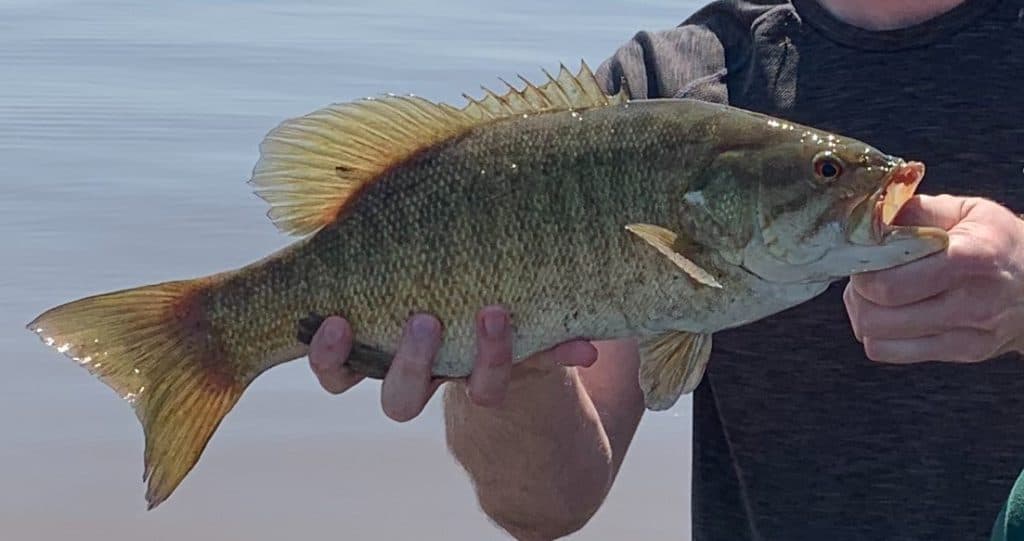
[127, 130]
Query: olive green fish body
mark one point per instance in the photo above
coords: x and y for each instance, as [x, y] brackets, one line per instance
[528, 213]
[584, 214]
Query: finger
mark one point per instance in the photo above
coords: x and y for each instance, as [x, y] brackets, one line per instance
[943, 211]
[947, 311]
[578, 352]
[959, 345]
[928, 276]
[488, 382]
[853, 302]
[407, 386]
[328, 351]
[909, 283]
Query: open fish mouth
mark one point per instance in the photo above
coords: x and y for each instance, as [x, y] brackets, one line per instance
[897, 189]
[878, 211]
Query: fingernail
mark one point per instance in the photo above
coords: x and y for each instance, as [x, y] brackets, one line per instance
[332, 334]
[494, 324]
[422, 327]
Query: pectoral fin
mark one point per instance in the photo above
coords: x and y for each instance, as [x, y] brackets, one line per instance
[664, 241]
[671, 365]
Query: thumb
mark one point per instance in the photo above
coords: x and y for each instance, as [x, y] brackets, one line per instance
[943, 211]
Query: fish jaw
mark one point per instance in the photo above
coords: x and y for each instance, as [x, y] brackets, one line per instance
[875, 243]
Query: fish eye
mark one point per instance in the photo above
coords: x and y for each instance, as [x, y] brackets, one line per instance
[827, 166]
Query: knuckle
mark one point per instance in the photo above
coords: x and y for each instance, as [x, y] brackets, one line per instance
[879, 290]
[409, 368]
[976, 258]
[970, 310]
[493, 359]
[974, 201]
[988, 319]
[1004, 326]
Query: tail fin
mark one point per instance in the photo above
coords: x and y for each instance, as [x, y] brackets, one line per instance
[153, 346]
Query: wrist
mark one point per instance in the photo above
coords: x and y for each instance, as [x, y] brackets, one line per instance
[528, 384]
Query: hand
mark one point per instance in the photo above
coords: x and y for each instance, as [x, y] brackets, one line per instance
[409, 383]
[965, 304]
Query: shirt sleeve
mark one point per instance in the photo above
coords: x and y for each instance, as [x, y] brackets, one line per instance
[692, 60]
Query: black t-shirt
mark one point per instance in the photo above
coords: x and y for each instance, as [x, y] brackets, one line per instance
[797, 435]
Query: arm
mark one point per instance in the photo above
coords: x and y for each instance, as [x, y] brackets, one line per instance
[543, 463]
[541, 440]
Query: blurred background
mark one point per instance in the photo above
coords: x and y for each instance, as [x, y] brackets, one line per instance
[127, 132]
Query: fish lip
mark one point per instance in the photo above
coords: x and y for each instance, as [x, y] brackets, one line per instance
[897, 188]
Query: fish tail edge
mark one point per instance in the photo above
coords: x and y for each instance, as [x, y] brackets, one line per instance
[153, 346]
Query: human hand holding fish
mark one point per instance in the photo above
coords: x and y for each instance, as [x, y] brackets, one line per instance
[408, 385]
[964, 304]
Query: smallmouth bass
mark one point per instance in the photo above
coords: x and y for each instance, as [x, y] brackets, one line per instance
[587, 215]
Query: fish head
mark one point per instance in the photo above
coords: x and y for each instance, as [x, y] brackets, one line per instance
[811, 206]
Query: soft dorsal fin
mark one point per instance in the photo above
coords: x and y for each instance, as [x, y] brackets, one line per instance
[311, 166]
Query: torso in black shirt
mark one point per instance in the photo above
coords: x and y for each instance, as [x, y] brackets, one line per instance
[797, 435]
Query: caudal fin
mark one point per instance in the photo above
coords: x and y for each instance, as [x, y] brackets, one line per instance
[153, 346]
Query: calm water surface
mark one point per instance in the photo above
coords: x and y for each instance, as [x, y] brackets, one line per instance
[127, 131]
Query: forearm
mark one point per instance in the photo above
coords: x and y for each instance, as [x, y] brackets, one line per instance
[543, 463]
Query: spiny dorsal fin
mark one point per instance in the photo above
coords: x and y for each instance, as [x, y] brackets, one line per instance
[566, 92]
[311, 166]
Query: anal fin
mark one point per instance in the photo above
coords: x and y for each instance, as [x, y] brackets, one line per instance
[665, 242]
[672, 364]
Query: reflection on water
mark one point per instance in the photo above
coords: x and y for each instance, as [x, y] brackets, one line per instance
[127, 130]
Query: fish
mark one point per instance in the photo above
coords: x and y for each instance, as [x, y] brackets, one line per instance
[587, 214]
